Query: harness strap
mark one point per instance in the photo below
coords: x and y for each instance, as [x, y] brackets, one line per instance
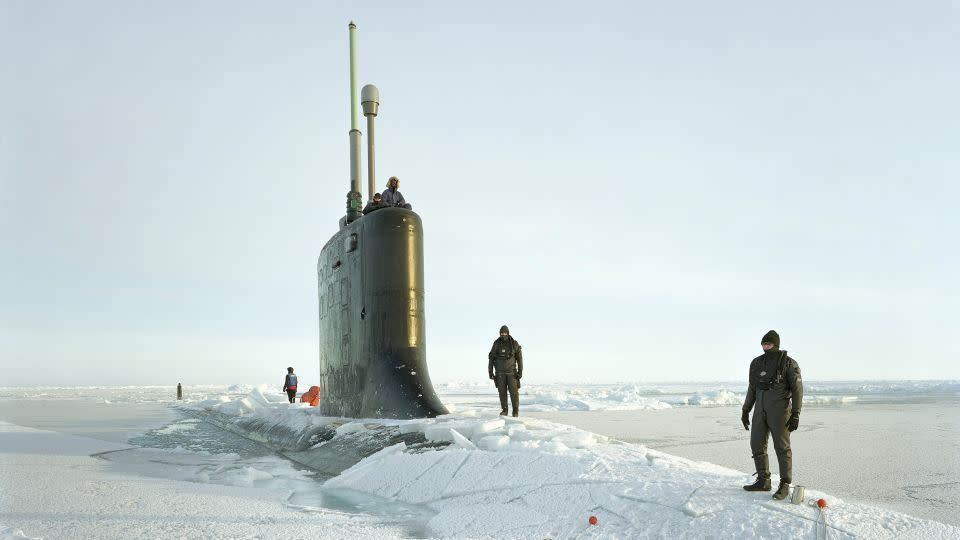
[781, 366]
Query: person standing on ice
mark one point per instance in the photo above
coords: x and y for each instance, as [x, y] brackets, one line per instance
[506, 357]
[290, 384]
[777, 390]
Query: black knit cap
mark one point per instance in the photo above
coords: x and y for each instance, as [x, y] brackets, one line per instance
[504, 329]
[771, 337]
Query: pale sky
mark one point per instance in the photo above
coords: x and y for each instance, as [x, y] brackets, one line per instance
[639, 190]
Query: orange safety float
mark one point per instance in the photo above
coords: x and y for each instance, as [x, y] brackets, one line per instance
[311, 396]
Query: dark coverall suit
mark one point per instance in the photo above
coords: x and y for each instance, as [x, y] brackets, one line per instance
[507, 357]
[777, 389]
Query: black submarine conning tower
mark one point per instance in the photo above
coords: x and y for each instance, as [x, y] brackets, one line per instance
[371, 290]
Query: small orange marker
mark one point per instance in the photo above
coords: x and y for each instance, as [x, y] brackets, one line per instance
[593, 520]
[822, 503]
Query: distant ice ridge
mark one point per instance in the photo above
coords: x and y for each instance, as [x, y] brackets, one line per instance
[875, 388]
[723, 398]
[622, 397]
[488, 476]
[637, 396]
[127, 394]
[568, 397]
[543, 397]
[828, 400]
[463, 387]
[715, 398]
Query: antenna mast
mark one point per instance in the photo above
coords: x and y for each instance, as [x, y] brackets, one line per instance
[354, 197]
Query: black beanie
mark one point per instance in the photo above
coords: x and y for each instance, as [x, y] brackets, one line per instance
[771, 337]
[504, 329]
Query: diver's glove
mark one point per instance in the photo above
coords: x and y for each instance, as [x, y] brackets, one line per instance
[492, 377]
[745, 418]
[794, 421]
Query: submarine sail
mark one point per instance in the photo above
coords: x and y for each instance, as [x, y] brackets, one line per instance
[371, 304]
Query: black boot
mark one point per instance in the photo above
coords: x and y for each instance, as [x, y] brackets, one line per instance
[516, 413]
[762, 483]
[763, 474]
[503, 412]
[782, 491]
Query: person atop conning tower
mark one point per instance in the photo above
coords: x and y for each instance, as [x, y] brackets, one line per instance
[375, 204]
[392, 195]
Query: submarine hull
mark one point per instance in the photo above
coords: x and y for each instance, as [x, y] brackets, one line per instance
[372, 325]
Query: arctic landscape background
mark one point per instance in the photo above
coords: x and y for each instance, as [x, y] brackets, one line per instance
[650, 461]
[639, 190]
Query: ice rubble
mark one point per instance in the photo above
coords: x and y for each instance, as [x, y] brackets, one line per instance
[490, 476]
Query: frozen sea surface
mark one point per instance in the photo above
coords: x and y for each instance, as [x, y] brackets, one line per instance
[868, 453]
[162, 471]
[858, 439]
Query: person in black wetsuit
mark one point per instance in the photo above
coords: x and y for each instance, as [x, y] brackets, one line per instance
[776, 389]
[505, 368]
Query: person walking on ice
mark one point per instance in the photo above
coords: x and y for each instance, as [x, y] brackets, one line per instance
[290, 384]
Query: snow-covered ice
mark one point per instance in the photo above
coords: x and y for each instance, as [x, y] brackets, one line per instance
[53, 488]
[530, 478]
[469, 474]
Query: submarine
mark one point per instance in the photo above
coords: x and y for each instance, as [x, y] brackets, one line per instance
[371, 294]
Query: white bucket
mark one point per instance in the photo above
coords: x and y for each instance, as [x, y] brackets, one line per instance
[798, 493]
